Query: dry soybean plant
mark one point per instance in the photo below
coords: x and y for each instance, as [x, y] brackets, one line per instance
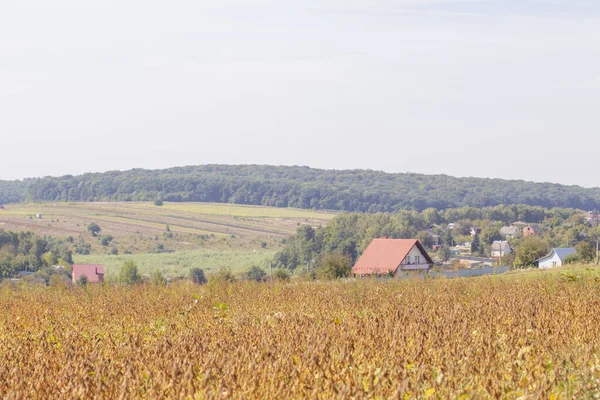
[478, 338]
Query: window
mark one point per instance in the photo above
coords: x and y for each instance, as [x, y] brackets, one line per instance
[417, 259]
[408, 259]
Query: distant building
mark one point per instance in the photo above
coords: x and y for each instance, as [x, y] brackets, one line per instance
[510, 231]
[391, 256]
[501, 248]
[475, 230]
[532, 230]
[592, 217]
[93, 272]
[556, 258]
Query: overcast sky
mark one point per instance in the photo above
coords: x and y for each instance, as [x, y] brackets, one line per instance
[488, 88]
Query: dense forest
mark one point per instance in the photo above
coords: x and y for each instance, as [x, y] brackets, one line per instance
[349, 234]
[301, 187]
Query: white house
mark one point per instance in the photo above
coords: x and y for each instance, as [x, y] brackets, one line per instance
[500, 248]
[555, 258]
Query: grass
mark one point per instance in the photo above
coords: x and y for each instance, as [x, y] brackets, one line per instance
[176, 264]
[488, 337]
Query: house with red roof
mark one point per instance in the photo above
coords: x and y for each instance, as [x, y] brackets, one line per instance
[392, 256]
[94, 273]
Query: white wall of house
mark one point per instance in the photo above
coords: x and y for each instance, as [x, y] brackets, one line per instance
[551, 261]
[414, 260]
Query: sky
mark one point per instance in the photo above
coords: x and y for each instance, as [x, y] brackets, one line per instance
[487, 88]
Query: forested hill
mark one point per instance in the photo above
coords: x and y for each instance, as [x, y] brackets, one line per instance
[302, 187]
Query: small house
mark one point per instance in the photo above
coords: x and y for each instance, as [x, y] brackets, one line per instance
[392, 256]
[509, 231]
[532, 230]
[93, 273]
[556, 258]
[500, 248]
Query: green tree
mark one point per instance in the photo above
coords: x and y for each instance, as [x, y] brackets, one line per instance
[475, 245]
[586, 251]
[158, 202]
[197, 276]
[444, 254]
[334, 266]
[447, 238]
[531, 249]
[94, 228]
[50, 259]
[129, 273]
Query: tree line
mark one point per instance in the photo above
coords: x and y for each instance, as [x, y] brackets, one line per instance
[349, 234]
[25, 251]
[301, 187]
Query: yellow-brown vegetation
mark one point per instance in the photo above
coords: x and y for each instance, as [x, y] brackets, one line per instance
[488, 337]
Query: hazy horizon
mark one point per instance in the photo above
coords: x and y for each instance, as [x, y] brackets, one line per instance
[484, 88]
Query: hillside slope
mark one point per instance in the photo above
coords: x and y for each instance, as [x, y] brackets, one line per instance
[300, 187]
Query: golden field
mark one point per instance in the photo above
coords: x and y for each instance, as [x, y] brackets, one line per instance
[489, 337]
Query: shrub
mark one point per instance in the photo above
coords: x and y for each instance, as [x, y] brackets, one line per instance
[281, 274]
[157, 278]
[256, 274]
[334, 266]
[129, 273]
[197, 276]
[224, 275]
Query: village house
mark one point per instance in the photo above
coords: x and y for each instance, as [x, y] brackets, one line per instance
[532, 230]
[392, 256]
[510, 231]
[501, 248]
[93, 273]
[592, 218]
[556, 258]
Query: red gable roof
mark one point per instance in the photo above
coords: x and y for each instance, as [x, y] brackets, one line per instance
[385, 255]
[93, 272]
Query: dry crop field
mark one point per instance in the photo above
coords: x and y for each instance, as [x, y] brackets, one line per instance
[489, 337]
[136, 225]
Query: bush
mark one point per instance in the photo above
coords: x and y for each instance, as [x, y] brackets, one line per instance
[224, 275]
[94, 229]
[281, 274]
[129, 273]
[256, 274]
[334, 266]
[158, 202]
[157, 278]
[105, 240]
[197, 276]
[83, 280]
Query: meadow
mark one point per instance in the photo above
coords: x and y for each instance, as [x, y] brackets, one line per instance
[172, 265]
[476, 338]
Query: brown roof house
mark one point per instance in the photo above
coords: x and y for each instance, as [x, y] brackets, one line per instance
[532, 230]
[92, 272]
[391, 256]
